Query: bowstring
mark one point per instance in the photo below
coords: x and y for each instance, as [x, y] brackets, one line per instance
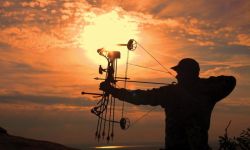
[125, 82]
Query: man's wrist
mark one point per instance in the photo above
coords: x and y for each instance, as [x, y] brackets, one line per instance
[112, 90]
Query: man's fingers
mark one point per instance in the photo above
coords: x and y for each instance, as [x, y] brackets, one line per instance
[104, 86]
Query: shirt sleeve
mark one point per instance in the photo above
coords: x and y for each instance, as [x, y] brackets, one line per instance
[153, 97]
[221, 86]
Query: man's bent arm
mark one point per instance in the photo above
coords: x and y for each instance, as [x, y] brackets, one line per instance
[221, 86]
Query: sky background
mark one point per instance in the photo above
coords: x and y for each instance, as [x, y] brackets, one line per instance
[48, 57]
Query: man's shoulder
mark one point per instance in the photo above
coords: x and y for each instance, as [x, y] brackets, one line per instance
[217, 79]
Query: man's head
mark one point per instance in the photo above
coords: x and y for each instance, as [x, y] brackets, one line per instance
[187, 70]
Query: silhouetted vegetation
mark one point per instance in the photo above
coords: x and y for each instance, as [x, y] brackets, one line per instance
[242, 142]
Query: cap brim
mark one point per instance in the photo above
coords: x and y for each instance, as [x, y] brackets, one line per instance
[175, 68]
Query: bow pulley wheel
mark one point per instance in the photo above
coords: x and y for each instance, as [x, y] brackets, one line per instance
[131, 45]
[124, 123]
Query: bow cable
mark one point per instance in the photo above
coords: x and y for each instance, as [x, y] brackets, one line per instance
[166, 71]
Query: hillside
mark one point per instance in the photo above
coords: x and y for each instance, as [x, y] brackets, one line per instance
[10, 142]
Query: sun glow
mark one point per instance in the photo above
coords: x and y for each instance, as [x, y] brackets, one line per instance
[106, 30]
[110, 147]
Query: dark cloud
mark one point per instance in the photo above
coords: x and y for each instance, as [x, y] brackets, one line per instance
[15, 67]
[232, 109]
[245, 69]
[211, 54]
[158, 8]
[233, 50]
[4, 46]
[221, 10]
[45, 100]
[94, 2]
[27, 68]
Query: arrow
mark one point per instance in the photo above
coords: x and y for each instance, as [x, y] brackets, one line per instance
[134, 81]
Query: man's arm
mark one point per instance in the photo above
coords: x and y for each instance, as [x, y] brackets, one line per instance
[153, 97]
[221, 86]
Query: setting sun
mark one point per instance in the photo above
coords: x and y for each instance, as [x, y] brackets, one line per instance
[106, 31]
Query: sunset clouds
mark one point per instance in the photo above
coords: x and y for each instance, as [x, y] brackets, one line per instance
[48, 52]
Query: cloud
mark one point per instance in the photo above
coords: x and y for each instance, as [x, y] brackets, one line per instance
[7, 3]
[37, 3]
[205, 23]
[216, 10]
[17, 98]
[241, 39]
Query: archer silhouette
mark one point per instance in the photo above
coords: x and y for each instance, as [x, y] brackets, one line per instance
[188, 104]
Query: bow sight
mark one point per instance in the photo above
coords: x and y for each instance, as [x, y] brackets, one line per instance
[105, 109]
[112, 55]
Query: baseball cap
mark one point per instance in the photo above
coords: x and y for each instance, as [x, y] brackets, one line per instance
[187, 64]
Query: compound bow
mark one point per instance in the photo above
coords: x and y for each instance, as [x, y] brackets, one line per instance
[105, 109]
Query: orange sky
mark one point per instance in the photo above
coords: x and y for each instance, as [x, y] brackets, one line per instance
[48, 56]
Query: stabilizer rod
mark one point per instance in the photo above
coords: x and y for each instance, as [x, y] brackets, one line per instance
[89, 93]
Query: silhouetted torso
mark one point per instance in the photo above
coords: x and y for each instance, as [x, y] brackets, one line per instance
[188, 108]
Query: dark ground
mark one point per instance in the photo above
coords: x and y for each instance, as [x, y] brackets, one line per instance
[10, 142]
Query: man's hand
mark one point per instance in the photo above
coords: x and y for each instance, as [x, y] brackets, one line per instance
[106, 87]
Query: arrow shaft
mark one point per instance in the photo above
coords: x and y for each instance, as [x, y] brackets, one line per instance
[134, 81]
